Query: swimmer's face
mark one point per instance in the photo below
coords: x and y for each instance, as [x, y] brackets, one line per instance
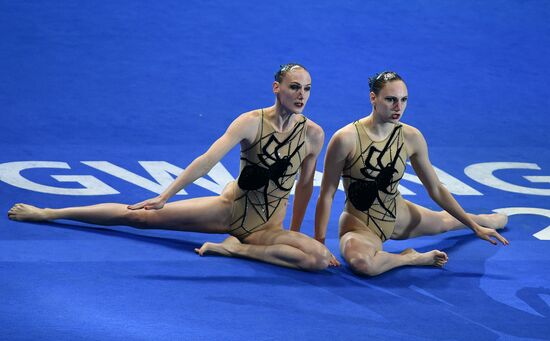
[293, 90]
[391, 101]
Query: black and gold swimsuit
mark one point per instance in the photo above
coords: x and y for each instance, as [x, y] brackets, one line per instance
[371, 179]
[268, 172]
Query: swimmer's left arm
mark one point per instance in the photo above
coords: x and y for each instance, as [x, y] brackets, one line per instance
[418, 154]
[304, 185]
[339, 149]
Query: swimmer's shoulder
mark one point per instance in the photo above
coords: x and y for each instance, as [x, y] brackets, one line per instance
[247, 123]
[250, 117]
[314, 132]
[414, 140]
[344, 140]
[347, 133]
[410, 133]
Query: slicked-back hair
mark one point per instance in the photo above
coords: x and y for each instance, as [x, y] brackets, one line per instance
[286, 68]
[378, 81]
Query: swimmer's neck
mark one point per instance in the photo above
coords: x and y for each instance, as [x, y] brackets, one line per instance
[279, 117]
[376, 127]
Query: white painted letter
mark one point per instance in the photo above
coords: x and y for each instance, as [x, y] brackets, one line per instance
[543, 234]
[159, 170]
[221, 177]
[164, 173]
[10, 174]
[483, 173]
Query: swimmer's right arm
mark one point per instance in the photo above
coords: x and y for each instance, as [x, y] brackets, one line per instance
[335, 159]
[240, 129]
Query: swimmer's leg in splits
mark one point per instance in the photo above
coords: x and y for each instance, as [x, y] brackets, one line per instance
[206, 215]
[414, 221]
[362, 250]
[195, 215]
[286, 248]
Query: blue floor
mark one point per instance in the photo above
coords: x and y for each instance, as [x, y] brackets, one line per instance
[101, 102]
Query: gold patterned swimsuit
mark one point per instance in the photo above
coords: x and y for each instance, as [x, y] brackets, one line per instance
[371, 180]
[268, 172]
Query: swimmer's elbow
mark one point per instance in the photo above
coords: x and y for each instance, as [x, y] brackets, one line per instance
[202, 164]
[436, 191]
[304, 183]
[328, 192]
[326, 197]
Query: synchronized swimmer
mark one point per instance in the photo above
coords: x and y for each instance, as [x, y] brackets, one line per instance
[276, 143]
[370, 156]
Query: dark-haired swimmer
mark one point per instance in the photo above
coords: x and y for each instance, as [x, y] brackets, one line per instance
[276, 143]
[370, 156]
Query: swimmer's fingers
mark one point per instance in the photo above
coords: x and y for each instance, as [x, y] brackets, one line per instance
[500, 238]
[489, 234]
[154, 206]
[486, 237]
[150, 204]
[137, 206]
[333, 261]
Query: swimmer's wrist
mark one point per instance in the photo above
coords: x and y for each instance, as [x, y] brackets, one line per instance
[476, 227]
[163, 197]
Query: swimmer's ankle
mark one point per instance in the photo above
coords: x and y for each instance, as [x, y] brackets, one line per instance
[49, 214]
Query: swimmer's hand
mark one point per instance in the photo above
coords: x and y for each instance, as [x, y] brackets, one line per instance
[151, 204]
[333, 261]
[487, 234]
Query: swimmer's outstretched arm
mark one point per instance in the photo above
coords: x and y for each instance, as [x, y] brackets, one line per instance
[337, 152]
[242, 128]
[418, 154]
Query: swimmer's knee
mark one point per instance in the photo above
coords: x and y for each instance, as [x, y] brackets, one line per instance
[138, 218]
[312, 263]
[352, 244]
[359, 255]
[448, 222]
[316, 261]
[362, 265]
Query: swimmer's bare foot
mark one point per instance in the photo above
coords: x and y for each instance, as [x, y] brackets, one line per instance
[225, 248]
[494, 221]
[24, 212]
[434, 257]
